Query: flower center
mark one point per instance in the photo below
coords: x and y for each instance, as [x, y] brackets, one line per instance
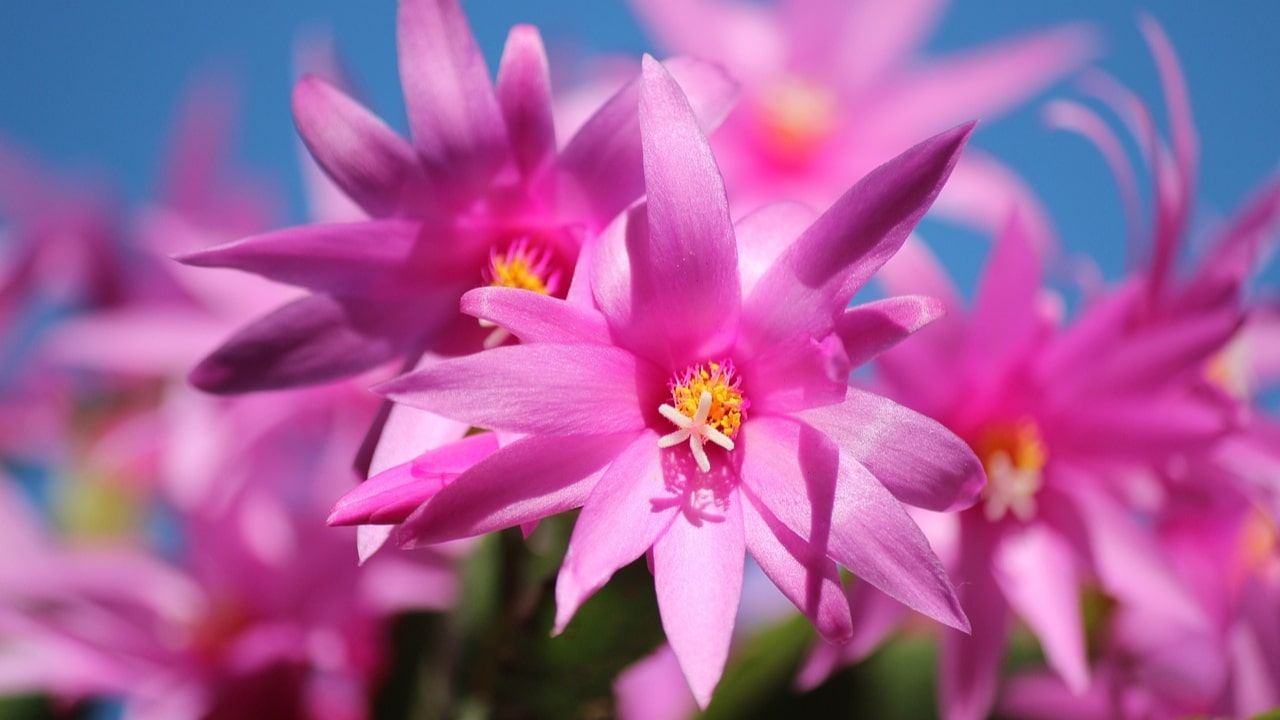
[1013, 457]
[524, 265]
[707, 404]
[797, 117]
[1229, 369]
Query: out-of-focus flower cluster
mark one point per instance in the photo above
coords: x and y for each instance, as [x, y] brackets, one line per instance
[601, 373]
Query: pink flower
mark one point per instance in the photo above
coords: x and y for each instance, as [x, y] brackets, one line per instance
[693, 400]
[480, 196]
[833, 88]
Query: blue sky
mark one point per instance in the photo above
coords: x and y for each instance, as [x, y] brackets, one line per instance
[92, 87]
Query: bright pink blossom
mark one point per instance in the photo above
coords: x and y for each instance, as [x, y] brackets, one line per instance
[693, 400]
[480, 185]
[833, 88]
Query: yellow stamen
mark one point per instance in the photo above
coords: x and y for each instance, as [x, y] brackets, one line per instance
[1014, 458]
[708, 405]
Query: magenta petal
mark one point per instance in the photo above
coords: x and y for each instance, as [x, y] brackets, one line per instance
[1126, 556]
[453, 113]
[389, 497]
[1155, 357]
[619, 522]
[1005, 312]
[856, 45]
[313, 340]
[870, 329]
[764, 234]
[798, 374]
[530, 479]
[524, 94]
[538, 388]
[915, 270]
[919, 460]
[804, 574]
[364, 258]
[969, 665]
[814, 279]
[689, 267]
[602, 166]
[370, 163]
[839, 506]
[534, 318]
[979, 83]
[653, 689]
[697, 572]
[1036, 570]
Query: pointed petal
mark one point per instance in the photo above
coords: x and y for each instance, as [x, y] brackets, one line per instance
[652, 689]
[532, 478]
[1036, 570]
[835, 504]
[1125, 555]
[535, 318]
[969, 665]
[1177, 101]
[389, 497]
[915, 270]
[363, 258]
[407, 432]
[979, 83]
[538, 388]
[798, 374]
[805, 575]
[370, 539]
[453, 113]
[602, 166]
[697, 572]
[313, 340]
[366, 159]
[1005, 315]
[742, 36]
[813, 281]
[524, 94]
[619, 522]
[856, 44]
[872, 328]
[689, 267]
[764, 234]
[919, 460]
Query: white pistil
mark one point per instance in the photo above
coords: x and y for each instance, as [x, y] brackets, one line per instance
[695, 430]
[1010, 488]
[498, 336]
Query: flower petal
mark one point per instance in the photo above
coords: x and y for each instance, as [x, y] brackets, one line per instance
[602, 166]
[316, 339]
[1036, 570]
[539, 388]
[524, 94]
[1005, 315]
[530, 479]
[872, 328]
[810, 285]
[806, 576]
[764, 234]
[390, 496]
[918, 459]
[364, 258]
[534, 318]
[689, 267]
[837, 505]
[978, 83]
[697, 572]
[619, 522]
[453, 113]
[370, 163]
[969, 665]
